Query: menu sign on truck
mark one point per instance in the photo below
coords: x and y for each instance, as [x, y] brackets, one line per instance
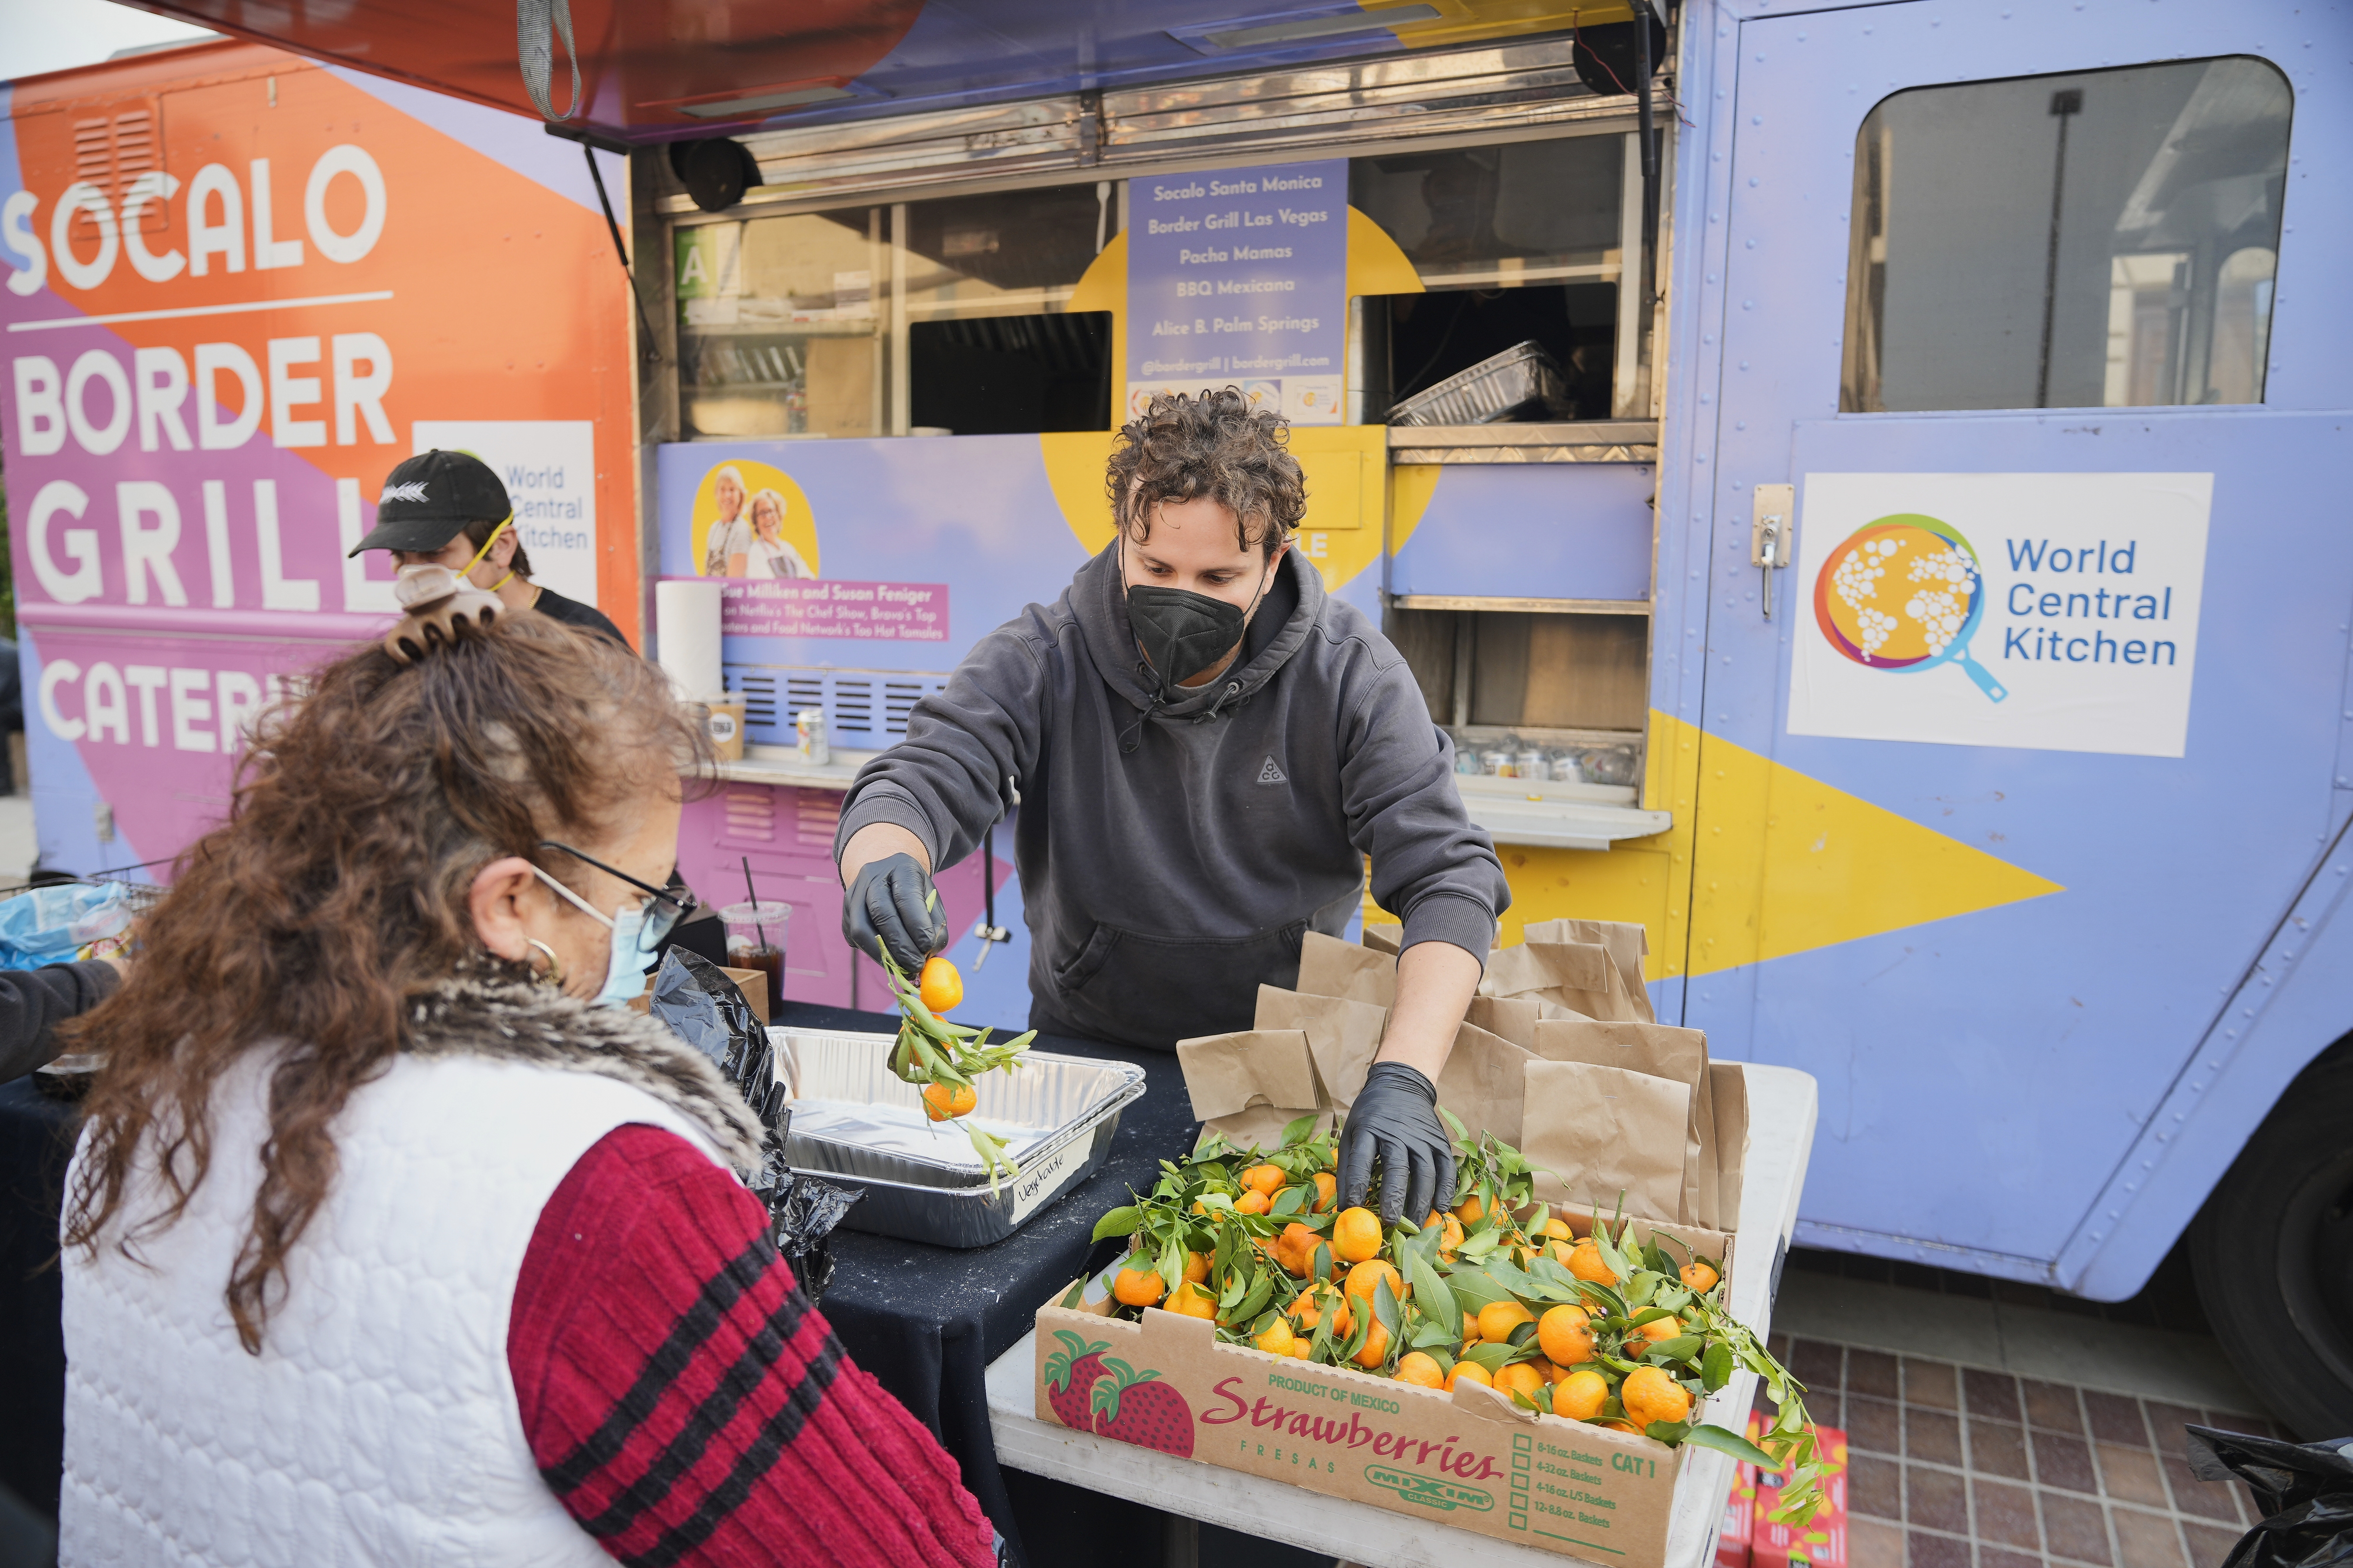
[1239, 277]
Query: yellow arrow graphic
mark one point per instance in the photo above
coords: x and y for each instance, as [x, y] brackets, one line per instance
[1774, 863]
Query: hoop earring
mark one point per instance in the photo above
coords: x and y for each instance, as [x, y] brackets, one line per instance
[554, 975]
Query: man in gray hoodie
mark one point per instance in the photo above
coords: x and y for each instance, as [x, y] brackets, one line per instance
[1206, 747]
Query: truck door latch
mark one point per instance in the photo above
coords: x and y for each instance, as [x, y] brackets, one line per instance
[1772, 534]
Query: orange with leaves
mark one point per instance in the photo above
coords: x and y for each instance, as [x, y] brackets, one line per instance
[1580, 1395]
[946, 1101]
[1356, 1235]
[1267, 1179]
[1498, 1319]
[940, 986]
[1587, 1263]
[1650, 1395]
[1364, 1281]
[1419, 1369]
[1567, 1335]
[1137, 1287]
[1468, 1371]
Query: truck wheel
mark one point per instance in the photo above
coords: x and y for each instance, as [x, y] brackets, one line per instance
[2273, 1251]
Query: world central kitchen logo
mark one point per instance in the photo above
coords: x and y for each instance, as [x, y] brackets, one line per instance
[1429, 1491]
[1907, 593]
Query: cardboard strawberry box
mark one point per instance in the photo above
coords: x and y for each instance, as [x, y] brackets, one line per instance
[1469, 1458]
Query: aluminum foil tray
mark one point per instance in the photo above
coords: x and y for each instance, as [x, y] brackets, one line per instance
[1494, 389]
[854, 1121]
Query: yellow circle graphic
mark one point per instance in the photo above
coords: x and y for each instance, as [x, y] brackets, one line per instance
[743, 493]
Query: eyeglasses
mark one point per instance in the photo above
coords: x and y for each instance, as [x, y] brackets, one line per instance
[677, 905]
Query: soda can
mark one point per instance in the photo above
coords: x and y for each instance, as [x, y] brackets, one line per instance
[808, 732]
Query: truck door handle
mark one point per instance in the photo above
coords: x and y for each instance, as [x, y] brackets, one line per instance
[1771, 534]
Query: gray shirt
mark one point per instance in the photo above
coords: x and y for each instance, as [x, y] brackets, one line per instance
[1172, 855]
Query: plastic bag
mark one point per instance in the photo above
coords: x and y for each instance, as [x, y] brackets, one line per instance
[53, 925]
[2305, 1491]
[806, 1210]
[705, 1009]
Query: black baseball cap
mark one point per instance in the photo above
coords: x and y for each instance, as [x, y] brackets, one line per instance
[429, 497]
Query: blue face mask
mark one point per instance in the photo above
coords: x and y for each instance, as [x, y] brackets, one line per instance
[637, 937]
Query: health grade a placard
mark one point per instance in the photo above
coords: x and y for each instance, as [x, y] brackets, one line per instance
[2055, 611]
[1238, 278]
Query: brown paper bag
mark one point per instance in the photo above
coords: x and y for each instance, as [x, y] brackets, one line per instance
[1578, 975]
[1627, 943]
[1729, 1086]
[1663, 1052]
[1330, 967]
[1594, 1131]
[1251, 1085]
[1515, 1018]
[1384, 938]
[1483, 1083]
[1342, 1035]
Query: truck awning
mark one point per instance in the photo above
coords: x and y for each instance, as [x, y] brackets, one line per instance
[663, 70]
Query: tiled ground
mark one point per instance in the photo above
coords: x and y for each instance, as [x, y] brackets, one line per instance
[1959, 1468]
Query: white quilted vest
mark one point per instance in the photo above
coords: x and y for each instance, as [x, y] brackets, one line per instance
[379, 1424]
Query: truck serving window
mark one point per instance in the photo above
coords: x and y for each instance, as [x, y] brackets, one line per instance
[1515, 243]
[2100, 240]
[939, 317]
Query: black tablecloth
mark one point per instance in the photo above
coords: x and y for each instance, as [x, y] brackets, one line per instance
[925, 1321]
[928, 1321]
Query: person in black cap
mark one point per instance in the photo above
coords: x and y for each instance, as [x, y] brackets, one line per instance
[447, 509]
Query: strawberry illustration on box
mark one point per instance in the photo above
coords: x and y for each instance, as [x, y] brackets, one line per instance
[1130, 1407]
[1071, 1374]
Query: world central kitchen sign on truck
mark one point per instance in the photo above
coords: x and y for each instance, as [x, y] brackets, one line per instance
[241, 287]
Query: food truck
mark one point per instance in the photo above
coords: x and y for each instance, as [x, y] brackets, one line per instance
[1797, 453]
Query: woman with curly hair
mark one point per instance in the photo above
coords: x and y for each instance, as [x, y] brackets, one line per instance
[1207, 748]
[386, 1242]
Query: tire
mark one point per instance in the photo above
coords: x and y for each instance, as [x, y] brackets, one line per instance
[2273, 1253]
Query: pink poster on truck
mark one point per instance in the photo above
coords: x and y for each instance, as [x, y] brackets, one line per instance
[240, 287]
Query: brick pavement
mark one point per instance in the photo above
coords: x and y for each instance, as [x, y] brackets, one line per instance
[1960, 1468]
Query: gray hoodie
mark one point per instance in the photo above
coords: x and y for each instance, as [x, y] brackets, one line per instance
[1173, 855]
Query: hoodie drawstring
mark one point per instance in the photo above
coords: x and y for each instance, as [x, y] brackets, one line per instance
[1134, 736]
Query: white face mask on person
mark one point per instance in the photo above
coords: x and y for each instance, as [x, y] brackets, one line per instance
[637, 936]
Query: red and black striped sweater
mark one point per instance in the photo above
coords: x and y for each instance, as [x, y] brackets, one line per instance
[688, 1405]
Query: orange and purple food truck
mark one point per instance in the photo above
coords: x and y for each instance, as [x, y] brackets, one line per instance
[1910, 584]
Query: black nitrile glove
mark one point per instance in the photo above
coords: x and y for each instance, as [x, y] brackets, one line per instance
[892, 906]
[1395, 1118]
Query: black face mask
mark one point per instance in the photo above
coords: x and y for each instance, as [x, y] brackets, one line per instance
[1181, 632]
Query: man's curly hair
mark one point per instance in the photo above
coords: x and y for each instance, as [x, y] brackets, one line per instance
[1214, 445]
